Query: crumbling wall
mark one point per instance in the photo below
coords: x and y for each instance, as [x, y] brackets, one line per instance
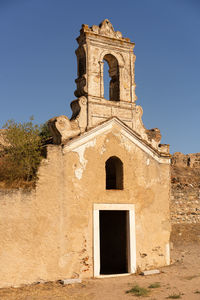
[185, 188]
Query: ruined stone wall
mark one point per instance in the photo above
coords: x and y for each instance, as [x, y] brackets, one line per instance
[185, 188]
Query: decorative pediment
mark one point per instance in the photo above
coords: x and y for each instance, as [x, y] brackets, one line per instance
[107, 126]
[105, 28]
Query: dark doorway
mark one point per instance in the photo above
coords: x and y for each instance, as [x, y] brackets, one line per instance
[113, 242]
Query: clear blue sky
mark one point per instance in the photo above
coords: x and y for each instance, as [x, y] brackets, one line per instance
[38, 63]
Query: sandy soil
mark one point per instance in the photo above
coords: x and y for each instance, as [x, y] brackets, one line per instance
[181, 278]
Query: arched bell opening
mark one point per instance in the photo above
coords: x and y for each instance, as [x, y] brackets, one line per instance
[113, 72]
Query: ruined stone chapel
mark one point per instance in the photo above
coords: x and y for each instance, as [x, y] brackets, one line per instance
[101, 205]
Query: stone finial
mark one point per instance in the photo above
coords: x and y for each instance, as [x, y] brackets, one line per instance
[154, 134]
[106, 28]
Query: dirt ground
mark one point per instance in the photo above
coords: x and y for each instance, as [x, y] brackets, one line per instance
[179, 280]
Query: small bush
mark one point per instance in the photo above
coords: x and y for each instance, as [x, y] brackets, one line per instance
[154, 285]
[138, 291]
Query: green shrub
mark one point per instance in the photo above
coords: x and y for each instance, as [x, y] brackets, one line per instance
[21, 153]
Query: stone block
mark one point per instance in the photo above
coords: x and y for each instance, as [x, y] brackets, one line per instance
[150, 272]
[70, 281]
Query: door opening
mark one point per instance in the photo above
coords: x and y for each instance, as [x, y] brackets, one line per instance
[114, 243]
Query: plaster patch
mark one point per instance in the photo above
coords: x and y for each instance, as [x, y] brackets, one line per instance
[78, 173]
[103, 149]
[81, 150]
[125, 142]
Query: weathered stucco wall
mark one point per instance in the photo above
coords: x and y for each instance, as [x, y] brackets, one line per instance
[47, 234]
[30, 230]
[145, 185]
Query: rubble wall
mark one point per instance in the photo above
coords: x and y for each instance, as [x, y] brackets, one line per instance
[185, 188]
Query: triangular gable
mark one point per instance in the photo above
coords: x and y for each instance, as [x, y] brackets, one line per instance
[124, 130]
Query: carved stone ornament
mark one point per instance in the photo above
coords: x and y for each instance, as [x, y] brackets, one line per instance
[105, 28]
[63, 129]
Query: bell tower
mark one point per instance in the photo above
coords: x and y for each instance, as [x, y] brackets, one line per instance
[97, 45]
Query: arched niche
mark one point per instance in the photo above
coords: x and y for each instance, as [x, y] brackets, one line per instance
[114, 173]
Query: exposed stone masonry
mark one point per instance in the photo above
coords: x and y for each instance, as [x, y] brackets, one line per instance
[185, 188]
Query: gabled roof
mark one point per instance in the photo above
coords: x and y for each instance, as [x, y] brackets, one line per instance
[125, 131]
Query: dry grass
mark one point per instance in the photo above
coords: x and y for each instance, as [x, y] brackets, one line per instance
[138, 291]
[174, 296]
[154, 285]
